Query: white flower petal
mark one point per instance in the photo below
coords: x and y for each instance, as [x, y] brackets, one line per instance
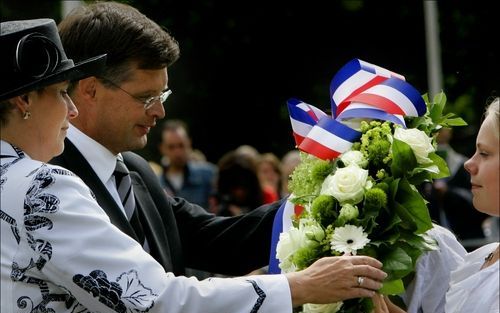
[348, 239]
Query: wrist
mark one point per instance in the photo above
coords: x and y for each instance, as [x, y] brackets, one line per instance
[296, 284]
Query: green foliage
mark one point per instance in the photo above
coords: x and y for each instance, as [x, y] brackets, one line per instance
[306, 256]
[434, 120]
[307, 178]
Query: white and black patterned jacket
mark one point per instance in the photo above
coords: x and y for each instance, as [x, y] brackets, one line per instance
[60, 253]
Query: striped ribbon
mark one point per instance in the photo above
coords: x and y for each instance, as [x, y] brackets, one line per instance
[358, 91]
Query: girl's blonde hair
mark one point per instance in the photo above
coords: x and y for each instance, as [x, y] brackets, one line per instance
[493, 110]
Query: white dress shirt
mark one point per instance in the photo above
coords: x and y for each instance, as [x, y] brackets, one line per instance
[101, 160]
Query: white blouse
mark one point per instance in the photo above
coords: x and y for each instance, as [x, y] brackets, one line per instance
[473, 290]
[426, 293]
[60, 252]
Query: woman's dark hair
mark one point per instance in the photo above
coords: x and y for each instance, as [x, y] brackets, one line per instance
[238, 182]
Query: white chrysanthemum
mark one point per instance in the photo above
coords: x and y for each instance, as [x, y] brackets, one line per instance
[322, 308]
[348, 239]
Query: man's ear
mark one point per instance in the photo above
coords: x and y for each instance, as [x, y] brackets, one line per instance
[86, 88]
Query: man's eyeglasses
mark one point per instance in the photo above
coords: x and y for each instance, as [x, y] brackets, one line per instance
[147, 102]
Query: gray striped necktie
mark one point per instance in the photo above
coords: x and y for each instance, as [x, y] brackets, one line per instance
[126, 193]
[124, 187]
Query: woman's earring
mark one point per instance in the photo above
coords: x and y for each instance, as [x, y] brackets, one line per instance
[26, 115]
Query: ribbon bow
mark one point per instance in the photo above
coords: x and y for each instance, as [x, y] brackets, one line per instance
[358, 91]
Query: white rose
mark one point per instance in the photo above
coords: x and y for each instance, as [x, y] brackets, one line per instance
[419, 142]
[354, 157]
[348, 184]
[289, 243]
[308, 233]
[312, 231]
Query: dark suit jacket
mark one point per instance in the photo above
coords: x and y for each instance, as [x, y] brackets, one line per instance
[181, 234]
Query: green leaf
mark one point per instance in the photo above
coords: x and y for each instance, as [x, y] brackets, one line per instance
[411, 200]
[418, 176]
[397, 263]
[436, 109]
[392, 287]
[444, 171]
[403, 159]
[456, 121]
[423, 242]
[407, 220]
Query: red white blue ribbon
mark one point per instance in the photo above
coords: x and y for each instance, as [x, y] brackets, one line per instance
[358, 91]
[282, 222]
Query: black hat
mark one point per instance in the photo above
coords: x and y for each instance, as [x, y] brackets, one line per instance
[32, 56]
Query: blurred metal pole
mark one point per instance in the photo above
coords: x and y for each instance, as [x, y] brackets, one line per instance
[68, 5]
[433, 48]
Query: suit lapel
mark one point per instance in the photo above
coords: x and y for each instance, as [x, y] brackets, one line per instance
[151, 222]
[73, 160]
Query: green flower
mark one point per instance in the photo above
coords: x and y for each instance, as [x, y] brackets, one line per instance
[348, 212]
[375, 199]
[323, 209]
[307, 178]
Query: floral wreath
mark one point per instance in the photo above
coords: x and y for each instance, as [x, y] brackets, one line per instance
[355, 190]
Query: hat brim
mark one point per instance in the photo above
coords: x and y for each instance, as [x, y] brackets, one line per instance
[90, 67]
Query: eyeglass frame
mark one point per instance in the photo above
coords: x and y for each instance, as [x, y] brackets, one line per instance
[149, 102]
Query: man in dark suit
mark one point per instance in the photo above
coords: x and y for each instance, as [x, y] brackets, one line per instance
[116, 111]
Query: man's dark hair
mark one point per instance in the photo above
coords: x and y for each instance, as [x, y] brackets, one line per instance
[126, 35]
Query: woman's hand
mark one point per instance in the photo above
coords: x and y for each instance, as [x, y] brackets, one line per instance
[333, 279]
[384, 305]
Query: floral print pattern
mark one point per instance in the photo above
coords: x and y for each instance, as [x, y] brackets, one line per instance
[38, 205]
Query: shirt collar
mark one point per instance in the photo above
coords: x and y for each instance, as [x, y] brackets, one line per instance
[7, 150]
[102, 161]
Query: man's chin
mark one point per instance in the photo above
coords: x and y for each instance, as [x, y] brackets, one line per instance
[138, 144]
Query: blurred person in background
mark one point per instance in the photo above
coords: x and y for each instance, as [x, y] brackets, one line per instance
[181, 176]
[238, 190]
[269, 174]
[288, 163]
